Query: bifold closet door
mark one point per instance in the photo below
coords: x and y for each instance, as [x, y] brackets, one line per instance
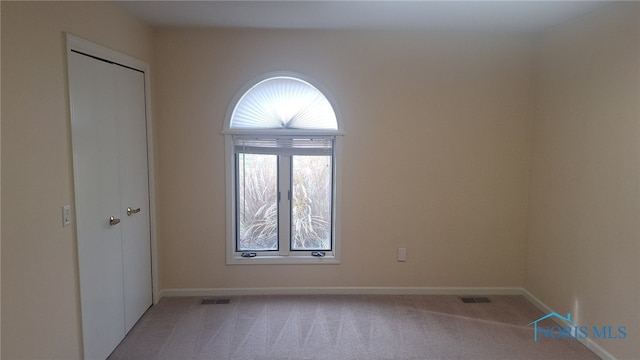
[134, 192]
[111, 175]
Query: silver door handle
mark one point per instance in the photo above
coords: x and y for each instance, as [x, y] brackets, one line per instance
[132, 211]
[113, 221]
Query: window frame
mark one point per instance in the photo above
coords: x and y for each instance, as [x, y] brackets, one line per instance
[283, 255]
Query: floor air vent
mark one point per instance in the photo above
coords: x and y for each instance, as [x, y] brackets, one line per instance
[214, 301]
[469, 300]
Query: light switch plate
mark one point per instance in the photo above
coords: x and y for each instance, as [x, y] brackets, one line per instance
[66, 215]
[402, 254]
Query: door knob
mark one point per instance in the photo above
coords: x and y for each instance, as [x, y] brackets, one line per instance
[113, 221]
[132, 211]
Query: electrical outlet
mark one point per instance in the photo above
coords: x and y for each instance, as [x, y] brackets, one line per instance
[66, 215]
[402, 254]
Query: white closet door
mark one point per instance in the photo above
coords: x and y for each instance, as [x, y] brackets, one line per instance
[134, 193]
[96, 171]
[111, 174]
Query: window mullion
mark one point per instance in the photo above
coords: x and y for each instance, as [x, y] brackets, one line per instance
[284, 206]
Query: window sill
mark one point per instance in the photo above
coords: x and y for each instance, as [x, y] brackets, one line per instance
[283, 260]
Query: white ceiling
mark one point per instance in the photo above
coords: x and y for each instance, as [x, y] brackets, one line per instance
[524, 16]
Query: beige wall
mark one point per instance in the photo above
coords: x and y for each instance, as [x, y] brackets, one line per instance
[40, 301]
[584, 231]
[436, 153]
[0, 191]
[436, 159]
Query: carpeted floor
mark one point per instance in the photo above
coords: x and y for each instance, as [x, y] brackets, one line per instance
[343, 327]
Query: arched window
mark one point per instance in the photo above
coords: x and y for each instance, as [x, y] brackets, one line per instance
[281, 144]
[283, 102]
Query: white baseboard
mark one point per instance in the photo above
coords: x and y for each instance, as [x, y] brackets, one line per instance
[602, 353]
[344, 291]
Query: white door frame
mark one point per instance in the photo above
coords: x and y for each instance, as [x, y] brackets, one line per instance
[89, 48]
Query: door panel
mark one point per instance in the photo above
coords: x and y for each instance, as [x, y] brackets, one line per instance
[96, 183]
[134, 193]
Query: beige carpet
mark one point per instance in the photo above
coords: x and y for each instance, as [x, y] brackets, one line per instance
[343, 327]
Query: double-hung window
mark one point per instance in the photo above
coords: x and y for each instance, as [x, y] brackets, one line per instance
[282, 145]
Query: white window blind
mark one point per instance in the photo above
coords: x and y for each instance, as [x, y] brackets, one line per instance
[284, 145]
[283, 103]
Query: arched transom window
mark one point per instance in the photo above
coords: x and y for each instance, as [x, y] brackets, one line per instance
[283, 102]
[281, 138]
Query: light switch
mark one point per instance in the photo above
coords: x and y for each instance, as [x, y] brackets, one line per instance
[66, 215]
